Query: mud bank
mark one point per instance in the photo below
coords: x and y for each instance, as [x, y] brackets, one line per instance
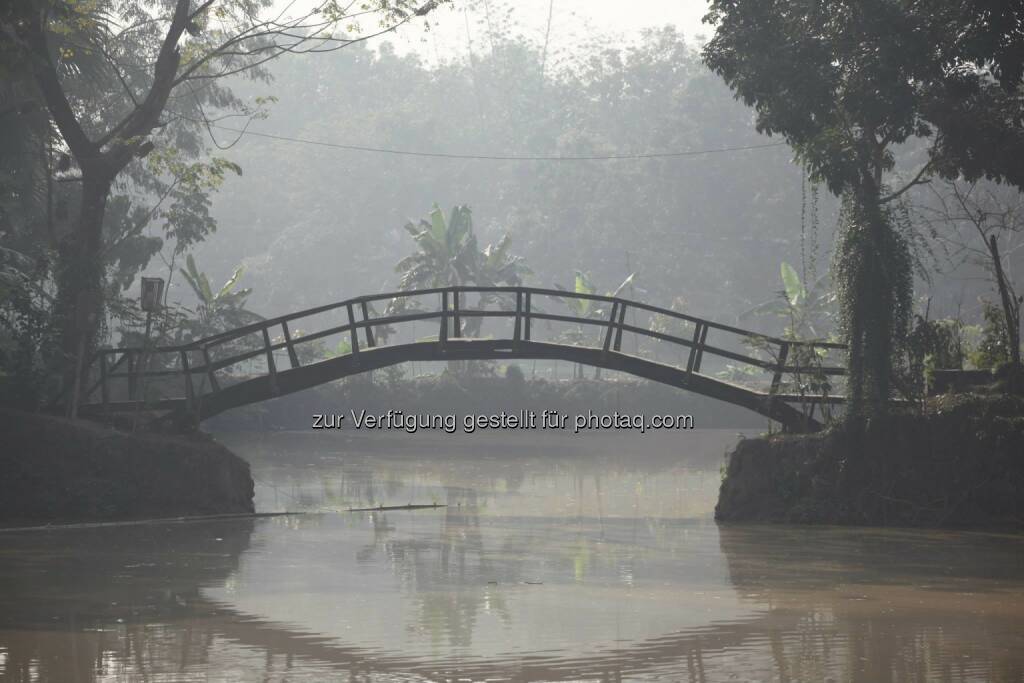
[56, 470]
[957, 464]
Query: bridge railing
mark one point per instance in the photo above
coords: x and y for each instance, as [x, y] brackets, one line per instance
[526, 315]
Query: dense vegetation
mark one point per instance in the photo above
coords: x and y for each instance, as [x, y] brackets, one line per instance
[310, 222]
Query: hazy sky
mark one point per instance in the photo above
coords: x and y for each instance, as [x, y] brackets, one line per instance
[571, 21]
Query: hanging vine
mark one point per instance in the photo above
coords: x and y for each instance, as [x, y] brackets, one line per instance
[873, 272]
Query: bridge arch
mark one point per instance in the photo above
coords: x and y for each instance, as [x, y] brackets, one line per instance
[119, 376]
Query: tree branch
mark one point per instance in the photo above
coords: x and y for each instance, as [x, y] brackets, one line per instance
[916, 181]
[56, 101]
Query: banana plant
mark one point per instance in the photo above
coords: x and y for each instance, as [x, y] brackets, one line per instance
[449, 255]
[588, 309]
[806, 313]
[447, 251]
[220, 310]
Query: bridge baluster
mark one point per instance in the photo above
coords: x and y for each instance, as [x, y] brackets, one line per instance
[700, 348]
[353, 333]
[104, 390]
[457, 319]
[692, 364]
[622, 320]
[517, 327]
[293, 357]
[190, 392]
[526, 318]
[369, 331]
[271, 365]
[609, 334]
[443, 336]
[777, 377]
[132, 376]
[214, 384]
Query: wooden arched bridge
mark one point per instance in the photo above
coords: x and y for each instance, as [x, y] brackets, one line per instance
[780, 379]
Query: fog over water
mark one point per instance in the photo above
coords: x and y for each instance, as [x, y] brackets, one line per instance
[556, 558]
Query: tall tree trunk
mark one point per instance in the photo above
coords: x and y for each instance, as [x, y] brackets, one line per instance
[80, 276]
[877, 295]
[868, 300]
[1011, 308]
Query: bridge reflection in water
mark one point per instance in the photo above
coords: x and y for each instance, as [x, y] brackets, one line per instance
[784, 380]
[477, 592]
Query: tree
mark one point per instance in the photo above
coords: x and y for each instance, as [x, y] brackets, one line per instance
[844, 82]
[686, 219]
[447, 251]
[220, 310]
[987, 214]
[586, 309]
[163, 59]
[449, 256]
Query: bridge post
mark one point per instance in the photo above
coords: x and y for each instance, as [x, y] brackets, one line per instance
[104, 390]
[271, 365]
[293, 357]
[457, 319]
[369, 331]
[609, 334]
[517, 331]
[622, 320]
[353, 333]
[526, 318]
[700, 348]
[442, 337]
[214, 384]
[190, 392]
[132, 378]
[693, 362]
[777, 377]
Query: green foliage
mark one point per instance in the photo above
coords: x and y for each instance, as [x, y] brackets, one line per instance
[343, 348]
[806, 314]
[217, 310]
[932, 345]
[449, 255]
[795, 292]
[992, 349]
[872, 269]
[845, 81]
[26, 330]
[687, 220]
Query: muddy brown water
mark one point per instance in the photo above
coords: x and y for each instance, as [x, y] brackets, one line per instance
[556, 558]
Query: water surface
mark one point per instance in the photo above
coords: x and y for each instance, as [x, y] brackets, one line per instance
[555, 558]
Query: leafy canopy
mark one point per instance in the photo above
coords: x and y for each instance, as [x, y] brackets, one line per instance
[844, 80]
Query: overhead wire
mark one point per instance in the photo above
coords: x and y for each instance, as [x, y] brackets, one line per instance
[496, 157]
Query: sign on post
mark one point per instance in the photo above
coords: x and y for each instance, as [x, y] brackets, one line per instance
[152, 293]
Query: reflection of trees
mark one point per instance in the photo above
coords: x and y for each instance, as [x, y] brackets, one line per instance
[879, 606]
[805, 629]
[451, 579]
[112, 600]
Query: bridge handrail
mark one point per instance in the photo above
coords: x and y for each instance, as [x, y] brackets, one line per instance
[613, 322]
[260, 325]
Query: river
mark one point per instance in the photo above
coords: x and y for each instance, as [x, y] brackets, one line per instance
[548, 557]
